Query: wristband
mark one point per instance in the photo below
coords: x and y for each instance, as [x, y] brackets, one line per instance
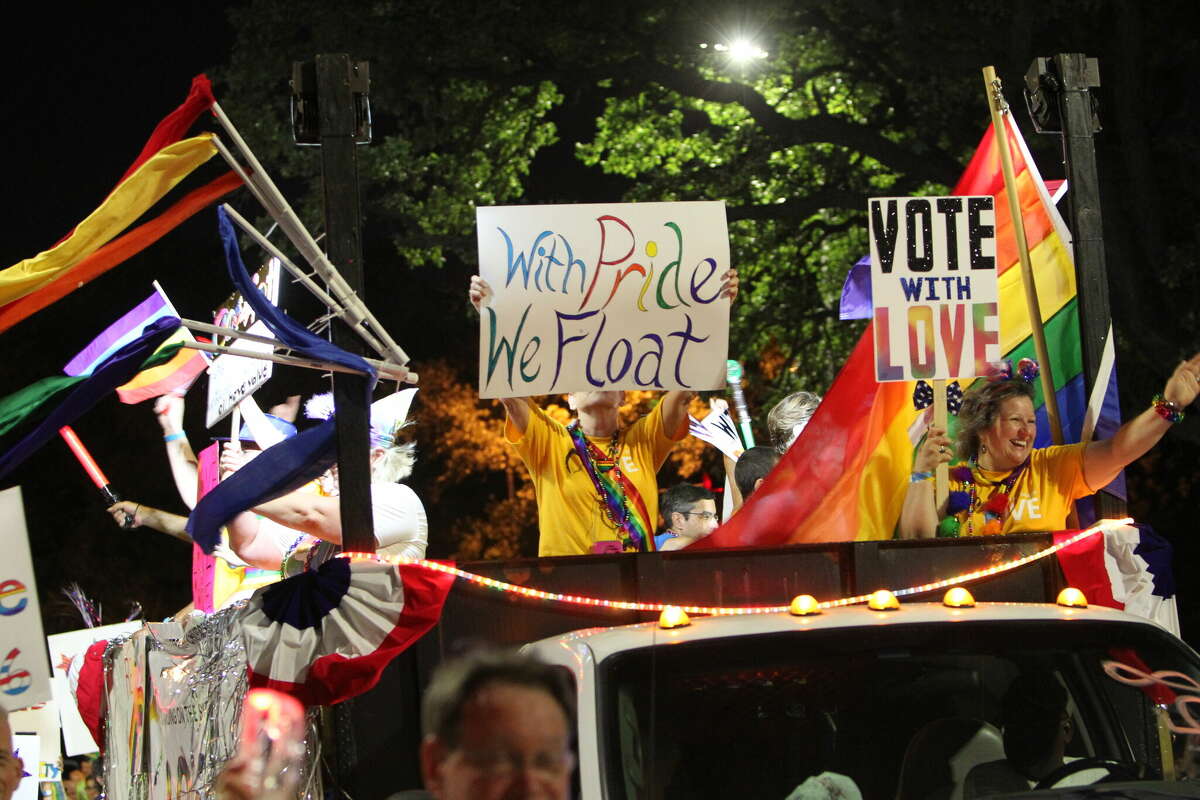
[174, 437]
[918, 477]
[1166, 409]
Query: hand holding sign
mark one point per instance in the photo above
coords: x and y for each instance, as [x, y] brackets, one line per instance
[589, 297]
[933, 284]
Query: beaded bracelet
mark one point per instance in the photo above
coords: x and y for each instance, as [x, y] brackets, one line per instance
[918, 477]
[1166, 409]
[173, 437]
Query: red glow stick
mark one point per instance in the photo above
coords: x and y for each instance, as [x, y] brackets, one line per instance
[91, 467]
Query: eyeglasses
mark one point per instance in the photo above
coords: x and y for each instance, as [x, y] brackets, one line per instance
[704, 515]
[502, 764]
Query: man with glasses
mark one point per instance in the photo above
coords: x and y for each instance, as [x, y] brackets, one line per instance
[690, 513]
[497, 726]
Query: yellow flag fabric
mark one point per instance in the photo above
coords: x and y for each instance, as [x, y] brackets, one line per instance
[128, 201]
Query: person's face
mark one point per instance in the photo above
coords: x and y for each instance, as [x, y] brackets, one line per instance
[595, 401]
[1009, 439]
[93, 788]
[514, 745]
[69, 779]
[699, 520]
[86, 768]
[11, 767]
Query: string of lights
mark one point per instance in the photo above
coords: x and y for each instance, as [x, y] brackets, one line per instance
[626, 605]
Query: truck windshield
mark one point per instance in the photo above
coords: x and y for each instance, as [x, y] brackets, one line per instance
[903, 711]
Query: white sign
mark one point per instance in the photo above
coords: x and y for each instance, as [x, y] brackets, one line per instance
[231, 378]
[41, 721]
[933, 286]
[591, 297]
[65, 648]
[26, 746]
[24, 672]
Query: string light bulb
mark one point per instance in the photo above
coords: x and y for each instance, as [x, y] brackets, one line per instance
[804, 605]
[958, 597]
[883, 600]
[1072, 598]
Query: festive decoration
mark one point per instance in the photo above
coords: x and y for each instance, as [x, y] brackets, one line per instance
[1071, 598]
[88, 609]
[804, 605]
[954, 398]
[673, 617]
[326, 635]
[882, 600]
[626, 605]
[388, 414]
[1167, 410]
[922, 395]
[994, 510]
[948, 528]
[615, 493]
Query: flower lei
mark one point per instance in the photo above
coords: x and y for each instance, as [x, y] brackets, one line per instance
[605, 472]
[961, 505]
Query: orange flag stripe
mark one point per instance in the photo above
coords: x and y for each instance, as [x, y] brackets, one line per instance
[117, 251]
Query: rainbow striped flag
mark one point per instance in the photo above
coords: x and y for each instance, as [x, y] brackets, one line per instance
[93, 246]
[174, 375]
[846, 476]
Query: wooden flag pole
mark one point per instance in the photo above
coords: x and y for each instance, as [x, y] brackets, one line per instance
[941, 476]
[999, 109]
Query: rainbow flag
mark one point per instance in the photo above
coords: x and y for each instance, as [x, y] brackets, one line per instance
[164, 161]
[175, 374]
[846, 476]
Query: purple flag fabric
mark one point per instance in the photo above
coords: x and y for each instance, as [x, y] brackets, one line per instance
[117, 370]
[119, 334]
[856, 291]
[293, 462]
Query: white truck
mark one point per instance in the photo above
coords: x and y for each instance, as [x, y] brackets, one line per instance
[904, 703]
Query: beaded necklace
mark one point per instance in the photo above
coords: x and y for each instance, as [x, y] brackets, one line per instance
[961, 505]
[612, 487]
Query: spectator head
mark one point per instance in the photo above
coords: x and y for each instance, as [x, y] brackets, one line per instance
[497, 725]
[689, 510]
[11, 767]
[71, 776]
[86, 766]
[788, 418]
[752, 467]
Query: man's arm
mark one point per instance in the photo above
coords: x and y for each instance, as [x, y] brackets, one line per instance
[1103, 460]
[153, 518]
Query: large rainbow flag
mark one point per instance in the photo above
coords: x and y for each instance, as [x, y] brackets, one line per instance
[845, 477]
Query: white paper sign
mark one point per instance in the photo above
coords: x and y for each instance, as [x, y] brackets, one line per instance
[64, 649]
[230, 378]
[41, 721]
[592, 297]
[933, 286]
[24, 672]
[27, 746]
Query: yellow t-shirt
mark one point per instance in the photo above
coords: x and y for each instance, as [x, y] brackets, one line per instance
[570, 519]
[1041, 497]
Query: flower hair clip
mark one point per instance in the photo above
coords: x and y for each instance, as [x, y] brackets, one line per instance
[1027, 370]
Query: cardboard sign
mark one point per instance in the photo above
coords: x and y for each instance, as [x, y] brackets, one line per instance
[24, 671]
[933, 286]
[26, 746]
[231, 378]
[594, 297]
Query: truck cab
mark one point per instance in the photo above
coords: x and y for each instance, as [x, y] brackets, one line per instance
[903, 703]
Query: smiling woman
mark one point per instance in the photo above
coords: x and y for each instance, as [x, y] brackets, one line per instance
[1002, 484]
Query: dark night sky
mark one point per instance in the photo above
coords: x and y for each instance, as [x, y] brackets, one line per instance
[86, 87]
